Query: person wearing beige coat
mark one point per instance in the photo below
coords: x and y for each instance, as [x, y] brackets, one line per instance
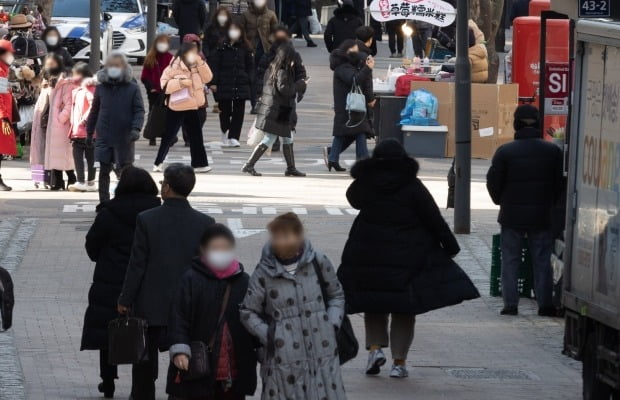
[184, 81]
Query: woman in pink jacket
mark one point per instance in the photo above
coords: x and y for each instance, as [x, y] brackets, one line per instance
[58, 152]
[184, 80]
[82, 98]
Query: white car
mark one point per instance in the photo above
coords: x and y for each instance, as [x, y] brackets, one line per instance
[129, 27]
[72, 18]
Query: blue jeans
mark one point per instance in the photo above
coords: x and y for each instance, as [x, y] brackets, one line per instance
[341, 143]
[540, 243]
[270, 139]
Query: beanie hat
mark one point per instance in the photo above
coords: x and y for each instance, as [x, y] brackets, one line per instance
[389, 149]
[526, 116]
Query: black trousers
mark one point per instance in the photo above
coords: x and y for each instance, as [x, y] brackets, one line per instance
[202, 116]
[107, 372]
[81, 151]
[144, 374]
[191, 120]
[231, 117]
[104, 179]
[395, 35]
[303, 24]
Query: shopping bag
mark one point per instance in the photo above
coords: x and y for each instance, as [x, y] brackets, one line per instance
[156, 123]
[127, 341]
[255, 135]
[315, 25]
[26, 113]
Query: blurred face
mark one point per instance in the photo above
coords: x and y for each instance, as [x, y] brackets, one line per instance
[218, 253]
[115, 68]
[77, 76]
[51, 65]
[353, 49]
[286, 243]
[191, 56]
[114, 63]
[52, 39]
[222, 18]
[281, 37]
[162, 45]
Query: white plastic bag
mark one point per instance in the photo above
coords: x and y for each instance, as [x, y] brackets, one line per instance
[315, 25]
[25, 117]
[255, 135]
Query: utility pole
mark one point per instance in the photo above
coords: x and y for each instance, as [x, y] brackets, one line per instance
[151, 22]
[95, 35]
[462, 190]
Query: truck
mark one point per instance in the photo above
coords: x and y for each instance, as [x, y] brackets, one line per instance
[591, 253]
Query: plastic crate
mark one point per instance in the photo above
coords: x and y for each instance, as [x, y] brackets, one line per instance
[526, 276]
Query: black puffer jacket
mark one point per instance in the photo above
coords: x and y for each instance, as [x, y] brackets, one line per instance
[190, 16]
[267, 58]
[214, 37]
[232, 66]
[108, 243]
[276, 107]
[346, 70]
[341, 27]
[397, 257]
[525, 179]
[194, 312]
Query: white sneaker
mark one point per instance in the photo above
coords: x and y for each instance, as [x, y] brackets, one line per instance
[202, 170]
[399, 371]
[78, 187]
[158, 168]
[233, 143]
[376, 359]
[224, 139]
[91, 186]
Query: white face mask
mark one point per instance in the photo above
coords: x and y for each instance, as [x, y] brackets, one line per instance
[190, 58]
[222, 19]
[115, 72]
[9, 58]
[52, 40]
[234, 34]
[260, 3]
[220, 260]
[162, 47]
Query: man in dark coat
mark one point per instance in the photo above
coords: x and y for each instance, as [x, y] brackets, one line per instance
[303, 9]
[190, 16]
[167, 239]
[398, 257]
[342, 25]
[525, 180]
[117, 115]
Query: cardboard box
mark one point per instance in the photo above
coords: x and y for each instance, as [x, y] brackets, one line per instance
[492, 112]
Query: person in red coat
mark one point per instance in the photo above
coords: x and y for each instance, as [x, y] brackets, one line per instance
[7, 135]
[156, 61]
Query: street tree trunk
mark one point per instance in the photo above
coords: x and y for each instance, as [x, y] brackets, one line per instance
[47, 8]
[489, 21]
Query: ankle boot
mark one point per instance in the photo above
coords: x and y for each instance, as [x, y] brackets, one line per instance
[71, 178]
[107, 388]
[289, 156]
[258, 152]
[57, 182]
[3, 186]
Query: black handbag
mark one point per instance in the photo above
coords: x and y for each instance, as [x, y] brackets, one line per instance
[127, 341]
[7, 300]
[156, 123]
[347, 343]
[199, 362]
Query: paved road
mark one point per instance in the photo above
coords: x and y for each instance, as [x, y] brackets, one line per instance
[464, 352]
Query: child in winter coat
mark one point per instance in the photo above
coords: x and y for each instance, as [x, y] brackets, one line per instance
[82, 98]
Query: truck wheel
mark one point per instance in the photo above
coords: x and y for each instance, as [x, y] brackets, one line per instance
[593, 389]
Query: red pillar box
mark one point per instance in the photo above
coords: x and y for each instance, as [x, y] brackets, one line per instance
[538, 6]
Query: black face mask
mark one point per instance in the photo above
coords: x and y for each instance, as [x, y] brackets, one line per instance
[280, 41]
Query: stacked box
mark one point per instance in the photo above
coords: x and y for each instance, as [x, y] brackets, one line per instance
[526, 275]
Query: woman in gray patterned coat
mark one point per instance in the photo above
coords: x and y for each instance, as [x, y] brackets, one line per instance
[285, 309]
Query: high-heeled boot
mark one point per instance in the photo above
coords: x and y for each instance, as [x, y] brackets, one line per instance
[289, 156]
[3, 186]
[258, 152]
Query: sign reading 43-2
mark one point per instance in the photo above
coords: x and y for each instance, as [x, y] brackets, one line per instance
[435, 12]
[594, 8]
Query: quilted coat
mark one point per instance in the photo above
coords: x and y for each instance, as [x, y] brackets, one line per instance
[58, 150]
[200, 75]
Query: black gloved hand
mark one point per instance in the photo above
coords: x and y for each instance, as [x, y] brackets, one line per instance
[89, 141]
[134, 134]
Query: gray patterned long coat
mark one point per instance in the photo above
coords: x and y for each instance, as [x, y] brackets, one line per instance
[288, 315]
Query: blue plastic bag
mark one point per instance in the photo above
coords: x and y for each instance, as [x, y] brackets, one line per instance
[420, 109]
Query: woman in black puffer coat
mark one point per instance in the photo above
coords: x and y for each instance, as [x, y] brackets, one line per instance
[232, 64]
[108, 243]
[398, 258]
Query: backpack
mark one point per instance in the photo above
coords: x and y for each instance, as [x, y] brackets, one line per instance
[28, 47]
[403, 83]
[7, 299]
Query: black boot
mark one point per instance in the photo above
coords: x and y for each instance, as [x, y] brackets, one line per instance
[335, 165]
[258, 152]
[107, 388]
[276, 145]
[71, 178]
[289, 156]
[3, 186]
[57, 182]
[152, 142]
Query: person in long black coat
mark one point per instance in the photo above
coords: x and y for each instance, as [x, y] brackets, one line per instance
[108, 243]
[342, 25]
[167, 239]
[349, 127]
[194, 316]
[232, 64]
[190, 16]
[398, 257]
[276, 108]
